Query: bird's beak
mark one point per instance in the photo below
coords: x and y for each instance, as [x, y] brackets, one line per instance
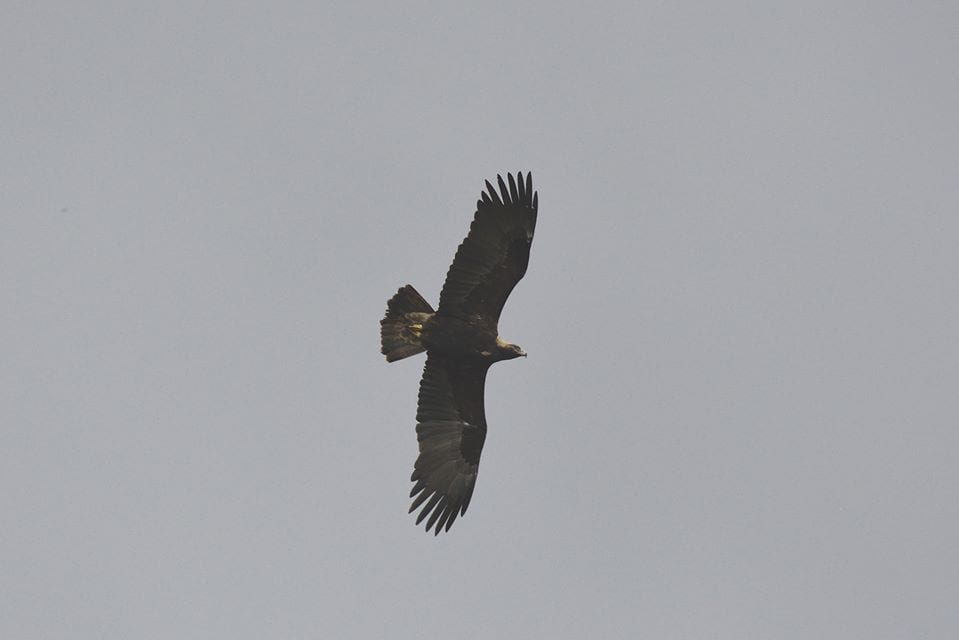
[522, 353]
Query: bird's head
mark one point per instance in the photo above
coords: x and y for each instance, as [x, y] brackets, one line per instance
[508, 351]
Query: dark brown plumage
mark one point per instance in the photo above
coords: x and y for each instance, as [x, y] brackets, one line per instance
[462, 341]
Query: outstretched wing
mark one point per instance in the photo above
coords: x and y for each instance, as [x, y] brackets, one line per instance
[451, 429]
[493, 257]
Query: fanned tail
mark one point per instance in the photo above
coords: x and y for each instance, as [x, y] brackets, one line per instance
[401, 327]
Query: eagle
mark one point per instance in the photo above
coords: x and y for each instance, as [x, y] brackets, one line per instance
[461, 341]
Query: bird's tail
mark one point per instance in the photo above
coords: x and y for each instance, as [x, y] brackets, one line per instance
[402, 326]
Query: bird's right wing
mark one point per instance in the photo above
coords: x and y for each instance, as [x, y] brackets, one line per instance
[451, 429]
[495, 254]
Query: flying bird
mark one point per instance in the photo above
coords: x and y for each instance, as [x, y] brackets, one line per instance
[461, 341]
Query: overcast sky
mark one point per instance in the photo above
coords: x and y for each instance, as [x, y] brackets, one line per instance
[738, 418]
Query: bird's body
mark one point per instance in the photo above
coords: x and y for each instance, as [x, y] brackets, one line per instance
[457, 338]
[462, 341]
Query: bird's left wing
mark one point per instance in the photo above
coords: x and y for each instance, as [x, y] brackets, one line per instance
[451, 429]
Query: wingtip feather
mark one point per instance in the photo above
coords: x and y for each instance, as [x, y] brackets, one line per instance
[492, 193]
[504, 190]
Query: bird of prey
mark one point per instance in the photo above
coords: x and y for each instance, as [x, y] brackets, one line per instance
[461, 341]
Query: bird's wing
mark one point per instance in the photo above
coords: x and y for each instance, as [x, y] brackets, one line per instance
[451, 429]
[493, 257]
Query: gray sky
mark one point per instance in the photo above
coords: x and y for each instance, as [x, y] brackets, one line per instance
[739, 414]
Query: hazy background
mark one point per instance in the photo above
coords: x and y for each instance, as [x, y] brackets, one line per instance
[739, 414]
